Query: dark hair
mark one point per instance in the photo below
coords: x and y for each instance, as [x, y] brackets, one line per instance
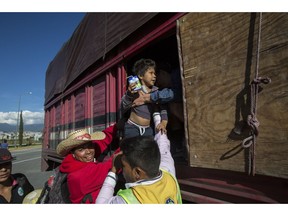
[142, 65]
[143, 152]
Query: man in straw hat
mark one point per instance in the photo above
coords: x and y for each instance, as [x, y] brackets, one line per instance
[13, 187]
[85, 175]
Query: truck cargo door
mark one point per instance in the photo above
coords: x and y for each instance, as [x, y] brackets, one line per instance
[218, 52]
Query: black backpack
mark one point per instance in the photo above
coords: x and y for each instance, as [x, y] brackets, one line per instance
[55, 189]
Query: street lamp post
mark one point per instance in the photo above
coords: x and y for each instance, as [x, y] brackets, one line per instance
[18, 117]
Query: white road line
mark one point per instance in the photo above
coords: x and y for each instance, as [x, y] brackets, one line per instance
[25, 151]
[25, 160]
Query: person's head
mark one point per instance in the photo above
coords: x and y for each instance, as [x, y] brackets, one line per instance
[84, 152]
[5, 140]
[5, 164]
[145, 70]
[140, 159]
[79, 143]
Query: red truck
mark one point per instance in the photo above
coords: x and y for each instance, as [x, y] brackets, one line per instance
[233, 70]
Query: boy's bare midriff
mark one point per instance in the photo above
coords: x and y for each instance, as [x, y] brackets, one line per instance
[139, 120]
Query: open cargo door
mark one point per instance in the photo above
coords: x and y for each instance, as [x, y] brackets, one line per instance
[219, 52]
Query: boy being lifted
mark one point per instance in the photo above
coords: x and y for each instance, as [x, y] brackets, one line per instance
[140, 116]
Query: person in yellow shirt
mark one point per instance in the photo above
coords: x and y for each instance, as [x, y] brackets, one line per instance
[140, 158]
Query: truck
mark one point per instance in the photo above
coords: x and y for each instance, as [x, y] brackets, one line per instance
[230, 138]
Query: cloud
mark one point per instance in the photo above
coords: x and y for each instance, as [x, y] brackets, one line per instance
[28, 117]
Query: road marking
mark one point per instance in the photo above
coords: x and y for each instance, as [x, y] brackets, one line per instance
[25, 151]
[26, 160]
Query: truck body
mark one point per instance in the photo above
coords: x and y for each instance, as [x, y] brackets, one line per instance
[230, 123]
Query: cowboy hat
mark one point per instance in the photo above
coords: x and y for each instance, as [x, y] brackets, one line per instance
[77, 138]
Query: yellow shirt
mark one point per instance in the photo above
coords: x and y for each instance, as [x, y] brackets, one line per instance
[164, 190]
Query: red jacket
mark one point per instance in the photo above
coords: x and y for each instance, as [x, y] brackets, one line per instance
[83, 177]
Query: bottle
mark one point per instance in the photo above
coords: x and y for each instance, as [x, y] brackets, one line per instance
[135, 79]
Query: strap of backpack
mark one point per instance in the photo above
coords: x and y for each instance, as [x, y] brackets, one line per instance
[87, 196]
[43, 198]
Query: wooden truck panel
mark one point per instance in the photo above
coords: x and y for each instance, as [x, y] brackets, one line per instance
[219, 54]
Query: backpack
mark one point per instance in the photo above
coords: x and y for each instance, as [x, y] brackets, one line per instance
[55, 189]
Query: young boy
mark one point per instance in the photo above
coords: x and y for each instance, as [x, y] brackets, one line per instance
[140, 116]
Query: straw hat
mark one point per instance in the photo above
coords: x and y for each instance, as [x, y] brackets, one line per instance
[77, 138]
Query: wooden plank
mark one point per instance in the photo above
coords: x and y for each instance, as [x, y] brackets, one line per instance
[219, 53]
[272, 145]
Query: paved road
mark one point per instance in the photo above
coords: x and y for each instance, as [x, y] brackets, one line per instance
[28, 162]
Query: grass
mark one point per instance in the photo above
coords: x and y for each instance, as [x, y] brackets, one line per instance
[23, 147]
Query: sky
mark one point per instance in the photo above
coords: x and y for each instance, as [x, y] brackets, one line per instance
[28, 43]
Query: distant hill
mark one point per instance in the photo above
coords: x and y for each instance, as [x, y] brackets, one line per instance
[11, 128]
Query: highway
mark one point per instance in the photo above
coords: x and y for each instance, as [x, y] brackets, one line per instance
[28, 162]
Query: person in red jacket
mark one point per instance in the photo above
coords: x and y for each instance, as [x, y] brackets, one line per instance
[85, 175]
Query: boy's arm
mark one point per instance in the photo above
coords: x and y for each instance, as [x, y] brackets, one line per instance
[108, 188]
[167, 162]
[127, 101]
[106, 193]
[162, 127]
[159, 96]
[128, 98]
[164, 119]
[162, 96]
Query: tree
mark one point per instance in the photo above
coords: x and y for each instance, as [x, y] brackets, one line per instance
[21, 129]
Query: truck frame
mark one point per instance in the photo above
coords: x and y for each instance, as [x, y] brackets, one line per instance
[233, 70]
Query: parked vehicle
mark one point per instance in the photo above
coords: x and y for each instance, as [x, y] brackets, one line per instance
[234, 72]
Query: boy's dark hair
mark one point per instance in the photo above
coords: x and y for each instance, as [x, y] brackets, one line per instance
[142, 65]
[143, 152]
